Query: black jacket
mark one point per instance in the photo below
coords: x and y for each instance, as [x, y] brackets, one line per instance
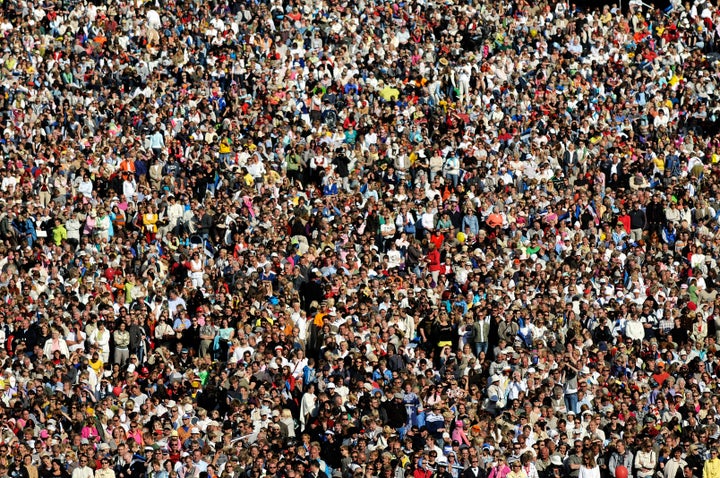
[468, 473]
[396, 413]
[638, 220]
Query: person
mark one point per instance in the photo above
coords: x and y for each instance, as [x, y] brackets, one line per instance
[589, 468]
[433, 261]
[442, 468]
[101, 339]
[83, 470]
[575, 459]
[314, 470]
[516, 470]
[711, 469]
[480, 334]
[105, 471]
[58, 470]
[645, 460]
[499, 468]
[121, 337]
[527, 460]
[56, 344]
[621, 456]
[196, 270]
[474, 470]
[29, 468]
[675, 466]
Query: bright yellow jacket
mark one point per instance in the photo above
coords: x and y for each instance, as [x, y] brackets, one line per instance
[712, 468]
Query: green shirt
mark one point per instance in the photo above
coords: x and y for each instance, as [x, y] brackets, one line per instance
[59, 234]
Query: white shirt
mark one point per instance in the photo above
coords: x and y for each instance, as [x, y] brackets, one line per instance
[83, 472]
[589, 472]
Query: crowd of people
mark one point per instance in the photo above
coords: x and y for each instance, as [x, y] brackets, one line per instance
[372, 239]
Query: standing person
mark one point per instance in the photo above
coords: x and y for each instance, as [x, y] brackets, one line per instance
[83, 470]
[121, 337]
[101, 338]
[157, 143]
[694, 460]
[646, 461]
[570, 388]
[516, 470]
[712, 466]
[480, 332]
[56, 343]
[589, 468]
[499, 468]
[621, 457]
[223, 339]
[105, 471]
[197, 270]
[442, 468]
[207, 337]
[574, 462]
[433, 263]
[675, 466]
[30, 470]
[308, 406]
[528, 465]
[474, 470]
[638, 222]
[655, 215]
[137, 340]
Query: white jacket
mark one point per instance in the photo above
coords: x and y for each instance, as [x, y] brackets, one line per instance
[62, 347]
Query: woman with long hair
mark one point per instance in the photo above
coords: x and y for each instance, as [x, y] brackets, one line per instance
[589, 468]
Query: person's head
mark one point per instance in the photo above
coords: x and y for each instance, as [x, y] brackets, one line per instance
[578, 447]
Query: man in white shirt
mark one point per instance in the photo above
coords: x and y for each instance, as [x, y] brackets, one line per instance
[173, 212]
[83, 470]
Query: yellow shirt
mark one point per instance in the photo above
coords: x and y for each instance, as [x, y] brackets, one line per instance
[225, 146]
[96, 366]
[150, 221]
[712, 468]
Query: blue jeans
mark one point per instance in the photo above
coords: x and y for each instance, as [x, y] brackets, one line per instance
[455, 178]
[480, 347]
[571, 401]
